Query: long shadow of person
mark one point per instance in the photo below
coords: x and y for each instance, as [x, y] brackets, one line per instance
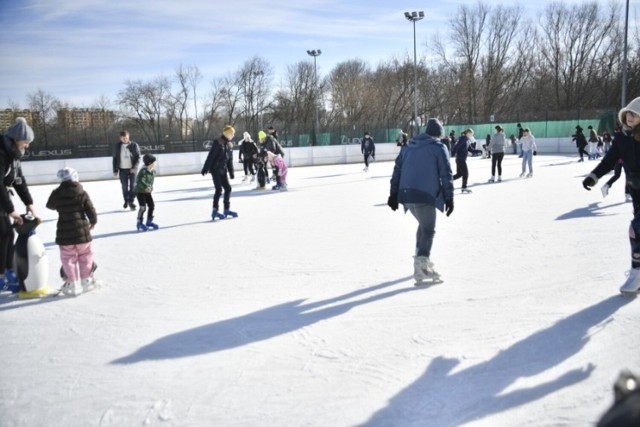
[442, 398]
[257, 326]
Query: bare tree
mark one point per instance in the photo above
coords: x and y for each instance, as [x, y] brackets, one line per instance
[144, 104]
[44, 105]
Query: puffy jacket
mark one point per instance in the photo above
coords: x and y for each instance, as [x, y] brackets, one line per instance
[461, 149]
[422, 173]
[219, 160]
[75, 213]
[144, 180]
[627, 148]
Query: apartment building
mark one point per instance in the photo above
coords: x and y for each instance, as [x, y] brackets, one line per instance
[8, 117]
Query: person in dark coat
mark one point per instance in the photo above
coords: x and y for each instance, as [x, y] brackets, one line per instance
[423, 183]
[581, 142]
[126, 156]
[15, 141]
[368, 148]
[219, 163]
[76, 219]
[461, 151]
[247, 154]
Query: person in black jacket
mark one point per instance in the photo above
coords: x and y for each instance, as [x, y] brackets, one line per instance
[247, 154]
[368, 149]
[581, 142]
[219, 162]
[15, 141]
[76, 219]
[126, 156]
[460, 151]
[627, 149]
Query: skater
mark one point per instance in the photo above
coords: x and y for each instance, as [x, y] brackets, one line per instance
[520, 135]
[422, 182]
[594, 140]
[367, 148]
[76, 219]
[15, 141]
[529, 149]
[281, 169]
[581, 142]
[401, 141]
[496, 148]
[220, 163]
[626, 148]
[271, 144]
[143, 190]
[247, 154]
[514, 146]
[126, 156]
[607, 139]
[486, 153]
[460, 151]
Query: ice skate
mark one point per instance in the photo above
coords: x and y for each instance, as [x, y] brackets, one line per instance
[132, 206]
[230, 213]
[632, 284]
[88, 284]
[140, 226]
[423, 272]
[151, 225]
[215, 214]
[276, 187]
[605, 190]
[499, 179]
[466, 191]
[366, 169]
[72, 289]
[246, 177]
[522, 175]
[530, 175]
[283, 187]
[253, 178]
[492, 179]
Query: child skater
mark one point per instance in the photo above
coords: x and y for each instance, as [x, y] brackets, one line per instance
[143, 190]
[627, 148]
[281, 167]
[76, 219]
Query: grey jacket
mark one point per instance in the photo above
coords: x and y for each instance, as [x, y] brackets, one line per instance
[497, 143]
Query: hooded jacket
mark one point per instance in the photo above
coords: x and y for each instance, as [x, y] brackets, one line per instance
[11, 172]
[422, 173]
[75, 213]
[219, 160]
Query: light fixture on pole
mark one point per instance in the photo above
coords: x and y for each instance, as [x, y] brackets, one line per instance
[413, 17]
[315, 54]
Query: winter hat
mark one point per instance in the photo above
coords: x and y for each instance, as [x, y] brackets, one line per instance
[261, 135]
[228, 132]
[68, 174]
[434, 128]
[633, 106]
[147, 159]
[20, 131]
[246, 136]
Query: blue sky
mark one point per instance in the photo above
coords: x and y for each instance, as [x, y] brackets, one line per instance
[79, 50]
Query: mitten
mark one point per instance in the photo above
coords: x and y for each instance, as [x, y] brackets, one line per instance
[589, 181]
[392, 202]
[448, 204]
[535, 152]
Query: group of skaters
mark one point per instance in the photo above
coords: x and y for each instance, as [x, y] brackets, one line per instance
[257, 157]
[598, 145]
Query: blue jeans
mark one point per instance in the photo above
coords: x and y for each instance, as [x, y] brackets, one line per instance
[527, 158]
[426, 216]
[127, 180]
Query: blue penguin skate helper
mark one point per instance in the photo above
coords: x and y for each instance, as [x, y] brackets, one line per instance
[220, 162]
[30, 259]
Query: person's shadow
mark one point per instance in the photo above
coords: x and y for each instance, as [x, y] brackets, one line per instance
[257, 326]
[441, 398]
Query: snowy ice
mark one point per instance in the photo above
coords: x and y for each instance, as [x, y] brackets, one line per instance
[302, 311]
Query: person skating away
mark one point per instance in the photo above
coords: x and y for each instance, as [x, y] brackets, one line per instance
[247, 154]
[368, 150]
[422, 182]
[144, 190]
[594, 153]
[581, 143]
[76, 219]
[14, 142]
[460, 151]
[280, 166]
[496, 148]
[529, 149]
[627, 148]
[126, 156]
[219, 163]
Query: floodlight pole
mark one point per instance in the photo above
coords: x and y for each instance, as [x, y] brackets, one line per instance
[315, 53]
[413, 17]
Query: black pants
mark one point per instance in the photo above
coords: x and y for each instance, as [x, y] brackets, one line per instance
[248, 166]
[221, 181]
[7, 237]
[145, 200]
[366, 158]
[496, 160]
[462, 171]
[581, 151]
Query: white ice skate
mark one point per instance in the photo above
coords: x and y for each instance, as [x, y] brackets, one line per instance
[492, 179]
[605, 190]
[423, 272]
[72, 289]
[632, 284]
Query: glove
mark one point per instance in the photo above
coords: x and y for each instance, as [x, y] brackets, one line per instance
[588, 182]
[392, 202]
[448, 204]
[535, 152]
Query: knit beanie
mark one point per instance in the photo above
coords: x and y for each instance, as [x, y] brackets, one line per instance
[434, 128]
[228, 132]
[246, 136]
[68, 174]
[147, 159]
[261, 136]
[20, 130]
[633, 106]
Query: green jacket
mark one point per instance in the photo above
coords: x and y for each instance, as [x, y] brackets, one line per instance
[144, 180]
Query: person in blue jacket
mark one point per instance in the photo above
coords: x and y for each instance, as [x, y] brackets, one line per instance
[422, 181]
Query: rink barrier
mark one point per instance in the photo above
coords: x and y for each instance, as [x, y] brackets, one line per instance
[100, 168]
